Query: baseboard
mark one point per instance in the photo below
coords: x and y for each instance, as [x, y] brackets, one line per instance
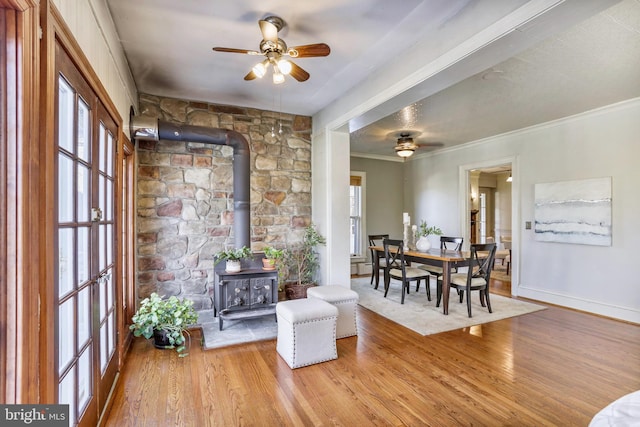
[626, 314]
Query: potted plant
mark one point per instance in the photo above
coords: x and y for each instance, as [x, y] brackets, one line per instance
[233, 257]
[167, 320]
[301, 263]
[271, 255]
[423, 232]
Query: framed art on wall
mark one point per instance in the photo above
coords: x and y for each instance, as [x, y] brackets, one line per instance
[574, 211]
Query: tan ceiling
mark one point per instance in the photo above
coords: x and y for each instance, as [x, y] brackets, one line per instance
[596, 62]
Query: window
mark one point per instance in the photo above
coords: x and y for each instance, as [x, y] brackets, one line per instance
[483, 217]
[356, 195]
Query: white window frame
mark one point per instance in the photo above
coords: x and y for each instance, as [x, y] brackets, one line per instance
[363, 223]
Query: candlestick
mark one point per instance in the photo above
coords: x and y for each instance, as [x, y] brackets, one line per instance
[414, 231]
[406, 237]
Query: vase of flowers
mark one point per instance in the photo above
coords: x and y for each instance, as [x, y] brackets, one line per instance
[424, 231]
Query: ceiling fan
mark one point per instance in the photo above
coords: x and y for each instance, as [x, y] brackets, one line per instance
[275, 49]
[405, 145]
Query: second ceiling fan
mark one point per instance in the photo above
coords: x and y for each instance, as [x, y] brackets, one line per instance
[275, 50]
[405, 145]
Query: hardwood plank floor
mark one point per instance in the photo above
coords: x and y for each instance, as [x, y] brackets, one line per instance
[554, 367]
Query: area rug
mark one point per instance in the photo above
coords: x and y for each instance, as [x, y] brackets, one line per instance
[423, 317]
[235, 331]
[499, 272]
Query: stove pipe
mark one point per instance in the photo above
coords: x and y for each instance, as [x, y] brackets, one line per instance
[146, 128]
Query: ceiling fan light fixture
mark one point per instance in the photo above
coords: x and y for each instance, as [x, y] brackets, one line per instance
[405, 147]
[284, 66]
[404, 152]
[260, 69]
[278, 77]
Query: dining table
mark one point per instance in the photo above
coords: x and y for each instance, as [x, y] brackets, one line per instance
[445, 258]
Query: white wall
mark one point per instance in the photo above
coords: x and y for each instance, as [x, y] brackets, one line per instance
[93, 28]
[595, 144]
[330, 204]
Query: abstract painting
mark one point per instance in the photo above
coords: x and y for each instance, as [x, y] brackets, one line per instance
[574, 212]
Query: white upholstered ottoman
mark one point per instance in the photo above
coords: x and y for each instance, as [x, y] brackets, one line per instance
[345, 300]
[306, 331]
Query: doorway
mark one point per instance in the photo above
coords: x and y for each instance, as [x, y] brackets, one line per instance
[489, 199]
[491, 204]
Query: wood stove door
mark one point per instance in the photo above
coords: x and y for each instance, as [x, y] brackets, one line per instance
[236, 294]
[262, 291]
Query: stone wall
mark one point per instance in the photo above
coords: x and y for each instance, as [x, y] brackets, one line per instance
[185, 193]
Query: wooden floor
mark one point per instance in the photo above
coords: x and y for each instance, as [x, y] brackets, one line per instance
[554, 367]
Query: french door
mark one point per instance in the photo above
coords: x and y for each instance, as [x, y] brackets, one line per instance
[86, 336]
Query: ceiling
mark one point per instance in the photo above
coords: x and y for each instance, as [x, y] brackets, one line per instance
[169, 48]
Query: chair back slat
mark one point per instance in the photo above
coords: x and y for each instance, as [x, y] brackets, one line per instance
[451, 243]
[394, 252]
[377, 239]
[480, 263]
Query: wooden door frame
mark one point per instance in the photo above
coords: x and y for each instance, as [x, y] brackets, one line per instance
[20, 351]
[464, 200]
[125, 206]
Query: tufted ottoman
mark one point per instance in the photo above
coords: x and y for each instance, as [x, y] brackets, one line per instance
[345, 300]
[306, 331]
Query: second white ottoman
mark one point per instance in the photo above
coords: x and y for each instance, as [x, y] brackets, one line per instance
[345, 300]
[306, 331]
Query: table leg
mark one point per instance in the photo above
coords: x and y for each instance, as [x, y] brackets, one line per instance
[446, 286]
[376, 269]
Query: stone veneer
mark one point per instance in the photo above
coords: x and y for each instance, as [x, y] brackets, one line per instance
[185, 193]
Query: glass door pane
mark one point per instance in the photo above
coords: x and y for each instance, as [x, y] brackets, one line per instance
[106, 239]
[66, 115]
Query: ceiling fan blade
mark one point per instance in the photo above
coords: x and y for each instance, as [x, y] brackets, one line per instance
[431, 145]
[309, 50]
[298, 73]
[232, 50]
[269, 31]
[250, 76]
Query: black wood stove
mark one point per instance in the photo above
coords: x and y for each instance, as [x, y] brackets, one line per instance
[252, 292]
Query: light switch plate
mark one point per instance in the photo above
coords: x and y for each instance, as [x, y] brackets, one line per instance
[527, 225]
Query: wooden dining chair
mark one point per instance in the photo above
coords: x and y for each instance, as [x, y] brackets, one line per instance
[476, 278]
[452, 243]
[502, 254]
[507, 260]
[399, 269]
[376, 240]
